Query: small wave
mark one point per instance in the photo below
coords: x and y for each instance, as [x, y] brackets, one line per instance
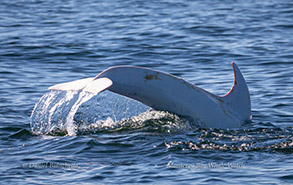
[242, 140]
[21, 134]
[150, 121]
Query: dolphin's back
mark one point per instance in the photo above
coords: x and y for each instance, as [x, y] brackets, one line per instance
[163, 91]
[166, 92]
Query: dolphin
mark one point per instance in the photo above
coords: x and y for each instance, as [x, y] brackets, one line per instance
[166, 92]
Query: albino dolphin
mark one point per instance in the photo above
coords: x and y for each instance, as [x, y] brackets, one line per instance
[167, 92]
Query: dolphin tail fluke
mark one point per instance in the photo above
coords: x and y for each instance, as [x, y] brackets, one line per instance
[238, 97]
[90, 85]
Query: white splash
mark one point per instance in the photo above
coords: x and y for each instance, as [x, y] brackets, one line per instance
[83, 97]
[68, 97]
[55, 111]
[71, 113]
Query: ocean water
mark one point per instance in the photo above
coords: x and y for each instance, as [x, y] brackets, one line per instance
[114, 140]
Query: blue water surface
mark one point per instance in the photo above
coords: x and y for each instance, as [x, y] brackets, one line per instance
[45, 42]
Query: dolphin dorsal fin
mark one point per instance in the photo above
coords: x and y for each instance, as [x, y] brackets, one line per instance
[238, 97]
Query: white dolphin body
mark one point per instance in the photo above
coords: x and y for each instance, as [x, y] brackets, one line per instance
[166, 92]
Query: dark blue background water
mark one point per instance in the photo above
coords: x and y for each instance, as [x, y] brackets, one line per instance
[46, 42]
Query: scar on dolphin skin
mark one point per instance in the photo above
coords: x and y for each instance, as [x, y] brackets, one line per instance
[151, 77]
